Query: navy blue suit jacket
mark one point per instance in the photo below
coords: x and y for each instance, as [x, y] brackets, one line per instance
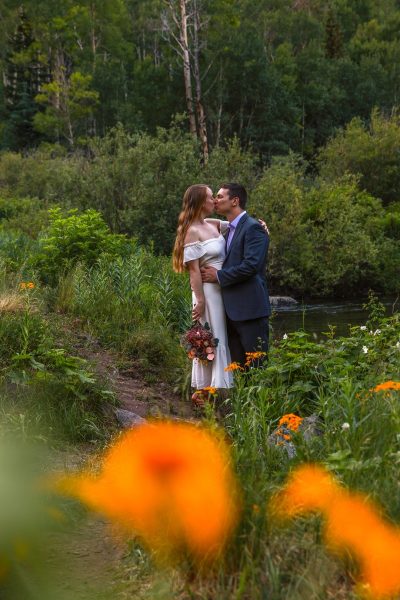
[242, 277]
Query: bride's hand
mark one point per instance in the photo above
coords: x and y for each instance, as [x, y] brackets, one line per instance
[198, 310]
[263, 225]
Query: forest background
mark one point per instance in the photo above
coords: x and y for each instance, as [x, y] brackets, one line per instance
[119, 105]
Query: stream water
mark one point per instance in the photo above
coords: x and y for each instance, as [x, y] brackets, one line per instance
[317, 318]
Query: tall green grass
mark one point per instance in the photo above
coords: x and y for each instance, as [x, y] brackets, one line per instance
[136, 305]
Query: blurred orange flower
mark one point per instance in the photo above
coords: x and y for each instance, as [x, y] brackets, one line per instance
[387, 386]
[170, 483]
[210, 390]
[309, 488]
[352, 524]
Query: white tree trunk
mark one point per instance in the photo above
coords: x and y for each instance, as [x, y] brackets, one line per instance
[187, 75]
[201, 116]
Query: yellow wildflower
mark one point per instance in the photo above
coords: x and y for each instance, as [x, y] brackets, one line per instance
[26, 285]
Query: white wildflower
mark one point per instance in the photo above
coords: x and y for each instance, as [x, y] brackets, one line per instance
[365, 349]
[398, 345]
[345, 426]
[285, 336]
[363, 328]
[377, 332]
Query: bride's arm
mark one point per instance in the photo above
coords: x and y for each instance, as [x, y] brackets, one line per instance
[197, 286]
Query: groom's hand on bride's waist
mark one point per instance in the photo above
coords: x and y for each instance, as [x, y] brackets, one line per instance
[209, 274]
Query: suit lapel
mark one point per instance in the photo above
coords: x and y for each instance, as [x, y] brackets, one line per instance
[237, 230]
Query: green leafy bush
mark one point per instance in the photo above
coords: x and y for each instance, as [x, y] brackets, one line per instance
[327, 237]
[74, 237]
[369, 151]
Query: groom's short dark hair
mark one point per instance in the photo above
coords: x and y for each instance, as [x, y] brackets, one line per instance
[236, 190]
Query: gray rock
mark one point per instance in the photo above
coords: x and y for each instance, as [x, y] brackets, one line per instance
[282, 301]
[310, 427]
[128, 419]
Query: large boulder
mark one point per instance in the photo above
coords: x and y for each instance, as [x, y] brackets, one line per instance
[282, 301]
[128, 419]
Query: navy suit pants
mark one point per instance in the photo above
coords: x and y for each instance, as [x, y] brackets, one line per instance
[247, 336]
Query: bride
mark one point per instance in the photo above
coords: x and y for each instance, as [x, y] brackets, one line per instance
[199, 242]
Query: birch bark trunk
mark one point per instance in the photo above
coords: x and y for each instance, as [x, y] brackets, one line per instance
[187, 75]
[201, 116]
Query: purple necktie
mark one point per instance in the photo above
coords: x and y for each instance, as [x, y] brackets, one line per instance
[231, 231]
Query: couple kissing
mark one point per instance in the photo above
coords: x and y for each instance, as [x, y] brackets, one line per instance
[226, 261]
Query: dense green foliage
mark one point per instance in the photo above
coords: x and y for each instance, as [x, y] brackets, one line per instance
[280, 75]
[72, 238]
[298, 101]
[330, 233]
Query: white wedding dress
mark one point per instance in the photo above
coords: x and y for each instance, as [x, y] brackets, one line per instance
[211, 253]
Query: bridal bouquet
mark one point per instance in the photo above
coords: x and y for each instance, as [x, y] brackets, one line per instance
[199, 342]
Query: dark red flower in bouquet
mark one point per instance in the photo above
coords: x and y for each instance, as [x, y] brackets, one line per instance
[199, 342]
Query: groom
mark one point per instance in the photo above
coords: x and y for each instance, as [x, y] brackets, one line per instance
[242, 277]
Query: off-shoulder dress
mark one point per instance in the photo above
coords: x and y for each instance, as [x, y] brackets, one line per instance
[211, 252]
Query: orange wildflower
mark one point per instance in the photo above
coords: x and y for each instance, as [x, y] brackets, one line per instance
[26, 285]
[352, 524]
[289, 421]
[252, 356]
[210, 390]
[387, 386]
[234, 366]
[170, 483]
[310, 488]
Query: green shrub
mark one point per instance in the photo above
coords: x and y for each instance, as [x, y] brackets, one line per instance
[136, 182]
[369, 151]
[74, 237]
[327, 237]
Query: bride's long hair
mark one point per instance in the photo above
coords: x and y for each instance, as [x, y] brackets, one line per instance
[193, 201]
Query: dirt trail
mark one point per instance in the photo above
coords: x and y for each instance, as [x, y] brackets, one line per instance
[130, 387]
[88, 561]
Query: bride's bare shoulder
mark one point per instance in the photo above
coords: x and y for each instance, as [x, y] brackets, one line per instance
[192, 235]
[215, 222]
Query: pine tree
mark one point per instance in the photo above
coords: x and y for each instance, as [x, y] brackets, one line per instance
[23, 78]
[333, 36]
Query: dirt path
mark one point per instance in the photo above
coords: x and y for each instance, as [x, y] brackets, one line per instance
[87, 560]
[132, 391]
